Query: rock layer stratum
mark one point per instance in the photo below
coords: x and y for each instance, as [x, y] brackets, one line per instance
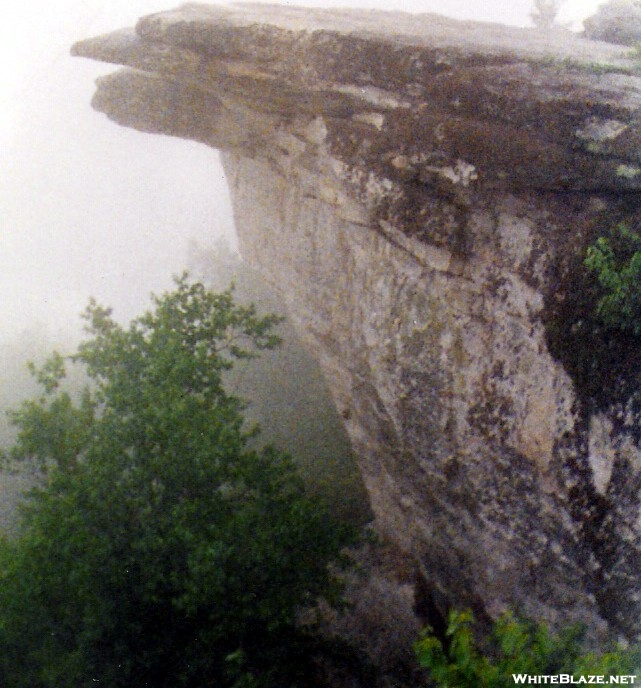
[422, 192]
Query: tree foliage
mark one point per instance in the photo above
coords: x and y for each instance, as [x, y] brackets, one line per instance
[616, 262]
[545, 13]
[516, 646]
[616, 21]
[159, 549]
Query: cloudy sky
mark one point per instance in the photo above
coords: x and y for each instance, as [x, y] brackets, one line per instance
[88, 208]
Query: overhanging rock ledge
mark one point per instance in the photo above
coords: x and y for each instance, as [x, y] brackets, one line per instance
[422, 192]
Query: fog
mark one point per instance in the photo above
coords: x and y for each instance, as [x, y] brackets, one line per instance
[88, 208]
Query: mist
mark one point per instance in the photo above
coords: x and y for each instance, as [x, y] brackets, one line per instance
[91, 209]
[88, 208]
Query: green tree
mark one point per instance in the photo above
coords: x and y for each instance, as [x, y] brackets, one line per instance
[159, 549]
[516, 646]
[545, 13]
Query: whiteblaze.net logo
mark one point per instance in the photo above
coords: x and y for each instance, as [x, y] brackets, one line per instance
[568, 679]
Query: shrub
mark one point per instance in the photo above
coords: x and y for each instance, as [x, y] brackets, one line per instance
[616, 262]
[515, 647]
[616, 21]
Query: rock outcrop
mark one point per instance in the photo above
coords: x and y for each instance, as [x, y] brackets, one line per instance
[422, 192]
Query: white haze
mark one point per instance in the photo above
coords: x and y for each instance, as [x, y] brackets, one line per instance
[89, 208]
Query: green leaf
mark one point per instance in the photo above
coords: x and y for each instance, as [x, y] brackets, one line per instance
[518, 646]
[160, 544]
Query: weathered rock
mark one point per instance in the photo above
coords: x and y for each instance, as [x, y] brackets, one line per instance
[422, 192]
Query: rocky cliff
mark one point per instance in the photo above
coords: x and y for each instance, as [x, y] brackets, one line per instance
[422, 192]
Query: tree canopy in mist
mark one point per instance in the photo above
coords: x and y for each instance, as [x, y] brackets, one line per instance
[161, 549]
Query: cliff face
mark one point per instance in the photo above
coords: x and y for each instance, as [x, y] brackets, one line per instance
[422, 192]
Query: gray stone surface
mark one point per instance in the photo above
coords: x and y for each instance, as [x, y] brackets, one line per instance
[421, 191]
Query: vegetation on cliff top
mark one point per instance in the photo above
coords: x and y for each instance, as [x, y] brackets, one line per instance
[160, 548]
